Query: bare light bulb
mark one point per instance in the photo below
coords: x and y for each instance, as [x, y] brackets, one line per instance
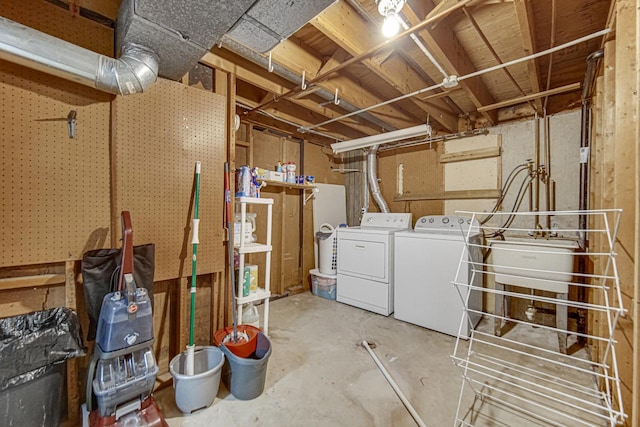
[390, 26]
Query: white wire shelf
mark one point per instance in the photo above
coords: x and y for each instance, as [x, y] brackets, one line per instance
[526, 364]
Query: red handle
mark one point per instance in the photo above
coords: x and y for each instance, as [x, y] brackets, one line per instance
[127, 248]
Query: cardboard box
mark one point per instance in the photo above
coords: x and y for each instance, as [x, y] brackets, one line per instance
[274, 176]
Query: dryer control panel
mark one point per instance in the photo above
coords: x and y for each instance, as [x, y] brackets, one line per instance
[386, 220]
[446, 222]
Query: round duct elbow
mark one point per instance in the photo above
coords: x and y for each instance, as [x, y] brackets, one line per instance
[133, 72]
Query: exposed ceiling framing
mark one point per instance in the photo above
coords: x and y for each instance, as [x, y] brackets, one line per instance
[342, 51]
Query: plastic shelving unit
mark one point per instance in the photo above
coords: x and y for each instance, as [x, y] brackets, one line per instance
[526, 373]
[263, 293]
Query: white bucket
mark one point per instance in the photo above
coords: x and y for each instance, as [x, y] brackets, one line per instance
[328, 249]
[198, 391]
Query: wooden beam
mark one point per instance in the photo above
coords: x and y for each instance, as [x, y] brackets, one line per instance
[73, 395]
[283, 114]
[451, 195]
[295, 58]
[488, 45]
[31, 281]
[521, 99]
[347, 29]
[524, 14]
[461, 156]
[445, 47]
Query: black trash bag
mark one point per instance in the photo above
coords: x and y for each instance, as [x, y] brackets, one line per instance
[31, 343]
[100, 276]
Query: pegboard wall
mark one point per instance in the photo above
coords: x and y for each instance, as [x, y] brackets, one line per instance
[54, 189]
[157, 138]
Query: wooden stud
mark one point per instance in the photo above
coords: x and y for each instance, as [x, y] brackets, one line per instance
[31, 281]
[73, 395]
[460, 156]
[624, 191]
[182, 312]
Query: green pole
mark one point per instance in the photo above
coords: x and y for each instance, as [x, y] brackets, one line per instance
[194, 241]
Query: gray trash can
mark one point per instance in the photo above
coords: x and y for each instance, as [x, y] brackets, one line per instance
[245, 377]
[33, 350]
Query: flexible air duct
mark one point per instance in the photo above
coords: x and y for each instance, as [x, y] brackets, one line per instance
[133, 72]
[372, 174]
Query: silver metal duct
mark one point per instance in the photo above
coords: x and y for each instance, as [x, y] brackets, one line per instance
[134, 72]
[372, 175]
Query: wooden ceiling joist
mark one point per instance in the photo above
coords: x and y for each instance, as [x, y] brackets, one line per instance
[524, 14]
[495, 55]
[564, 89]
[291, 55]
[444, 45]
[274, 88]
[348, 30]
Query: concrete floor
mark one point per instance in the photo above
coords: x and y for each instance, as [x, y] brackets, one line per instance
[320, 375]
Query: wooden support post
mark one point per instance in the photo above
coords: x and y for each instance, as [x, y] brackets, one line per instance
[624, 193]
[181, 312]
[73, 396]
[215, 297]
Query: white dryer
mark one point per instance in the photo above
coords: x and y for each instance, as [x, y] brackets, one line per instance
[426, 262]
[365, 261]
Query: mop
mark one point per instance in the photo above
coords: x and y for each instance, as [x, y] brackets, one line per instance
[189, 368]
[227, 199]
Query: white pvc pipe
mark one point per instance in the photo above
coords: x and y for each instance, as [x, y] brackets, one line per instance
[423, 48]
[468, 76]
[395, 387]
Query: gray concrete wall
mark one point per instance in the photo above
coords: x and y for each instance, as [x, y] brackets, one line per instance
[518, 142]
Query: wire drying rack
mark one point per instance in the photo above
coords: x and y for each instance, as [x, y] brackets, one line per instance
[537, 366]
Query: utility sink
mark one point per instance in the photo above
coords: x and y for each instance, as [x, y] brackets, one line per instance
[543, 264]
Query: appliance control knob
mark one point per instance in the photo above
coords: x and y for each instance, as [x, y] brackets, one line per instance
[423, 220]
[469, 221]
[460, 220]
[431, 220]
[370, 219]
[445, 220]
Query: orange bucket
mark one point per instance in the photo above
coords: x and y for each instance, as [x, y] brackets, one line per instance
[244, 347]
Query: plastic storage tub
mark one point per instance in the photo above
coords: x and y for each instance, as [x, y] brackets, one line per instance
[121, 379]
[323, 285]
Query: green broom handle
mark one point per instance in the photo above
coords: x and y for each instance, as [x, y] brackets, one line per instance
[194, 241]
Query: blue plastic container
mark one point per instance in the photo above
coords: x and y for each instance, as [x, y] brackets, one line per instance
[117, 327]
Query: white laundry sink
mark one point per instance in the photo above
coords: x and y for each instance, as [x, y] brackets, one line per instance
[544, 264]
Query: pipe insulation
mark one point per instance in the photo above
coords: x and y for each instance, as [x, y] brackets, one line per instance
[133, 72]
[372, 174]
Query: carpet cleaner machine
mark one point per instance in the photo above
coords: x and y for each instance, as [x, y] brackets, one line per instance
[123, 370]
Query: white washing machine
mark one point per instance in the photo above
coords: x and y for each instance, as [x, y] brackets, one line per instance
[426, 262]
[365, 261]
